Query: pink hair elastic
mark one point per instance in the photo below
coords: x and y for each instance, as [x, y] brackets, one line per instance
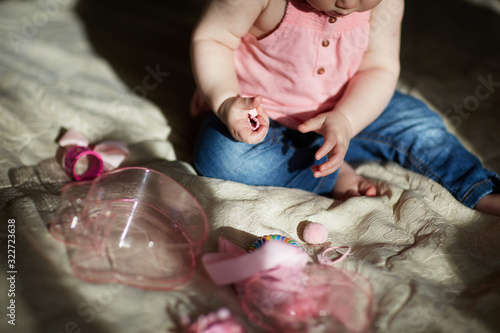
[95, 164]
[323, 260]
[102, 157]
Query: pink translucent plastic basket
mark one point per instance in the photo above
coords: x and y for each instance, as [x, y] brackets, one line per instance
[134, 226]
[317, 299]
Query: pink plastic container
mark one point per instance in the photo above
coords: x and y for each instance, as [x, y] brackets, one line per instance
[134, 226]
[318, 298]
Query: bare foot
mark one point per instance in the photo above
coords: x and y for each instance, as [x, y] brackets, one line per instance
[489, 204]
[350, 184]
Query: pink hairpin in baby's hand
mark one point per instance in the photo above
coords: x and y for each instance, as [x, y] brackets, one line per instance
[253, 120]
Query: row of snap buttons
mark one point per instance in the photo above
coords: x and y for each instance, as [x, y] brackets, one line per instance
[326, 43]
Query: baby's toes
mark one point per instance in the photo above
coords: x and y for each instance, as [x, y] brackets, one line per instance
[366, 188]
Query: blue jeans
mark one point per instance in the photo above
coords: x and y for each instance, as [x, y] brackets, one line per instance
[407, 132]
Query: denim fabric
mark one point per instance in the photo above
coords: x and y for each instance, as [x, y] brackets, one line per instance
[284, 158]
[407, 132]
[411, 134]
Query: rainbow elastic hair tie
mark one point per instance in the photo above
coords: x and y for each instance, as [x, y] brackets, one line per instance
[264, 239]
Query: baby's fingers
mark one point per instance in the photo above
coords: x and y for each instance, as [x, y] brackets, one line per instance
[255, 134]
[311, 125]
[332, 145]
[335, 152]
[254, 102]
[326, 148]
[328, 167]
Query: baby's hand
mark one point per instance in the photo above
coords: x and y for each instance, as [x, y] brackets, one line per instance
[235, 113]
[336, 131]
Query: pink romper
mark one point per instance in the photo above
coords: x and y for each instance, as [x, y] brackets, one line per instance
[301, 69]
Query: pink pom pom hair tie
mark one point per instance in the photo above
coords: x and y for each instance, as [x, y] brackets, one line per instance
[315, 233]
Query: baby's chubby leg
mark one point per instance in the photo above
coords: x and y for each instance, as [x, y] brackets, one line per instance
[412, 135]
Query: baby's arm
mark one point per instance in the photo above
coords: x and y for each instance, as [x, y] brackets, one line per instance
[218, 33]
[367, 93]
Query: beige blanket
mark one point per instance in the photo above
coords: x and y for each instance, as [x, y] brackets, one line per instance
[434, 264]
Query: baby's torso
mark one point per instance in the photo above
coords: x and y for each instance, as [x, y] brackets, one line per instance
[302, 66]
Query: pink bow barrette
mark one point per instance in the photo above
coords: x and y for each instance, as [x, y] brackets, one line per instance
[84, 161]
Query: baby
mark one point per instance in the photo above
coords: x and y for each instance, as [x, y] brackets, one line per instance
[321, 75]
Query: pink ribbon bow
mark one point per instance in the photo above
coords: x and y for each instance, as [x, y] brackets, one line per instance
[233, 264]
